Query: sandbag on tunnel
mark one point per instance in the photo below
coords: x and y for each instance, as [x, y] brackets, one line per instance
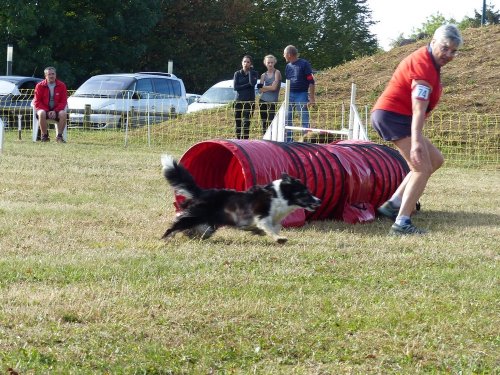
[350, 177]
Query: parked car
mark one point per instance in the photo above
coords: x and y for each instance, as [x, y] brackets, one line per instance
[191, 98]
[16, 94]
[134, 97]
[220, 94]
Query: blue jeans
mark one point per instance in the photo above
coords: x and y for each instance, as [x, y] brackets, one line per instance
[298, 102]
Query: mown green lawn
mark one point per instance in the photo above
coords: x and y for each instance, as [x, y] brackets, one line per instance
[87, 286]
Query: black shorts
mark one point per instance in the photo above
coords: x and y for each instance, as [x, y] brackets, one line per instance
[391, 126]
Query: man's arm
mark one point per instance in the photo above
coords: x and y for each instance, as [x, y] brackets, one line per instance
[421, 91]
[37, 99]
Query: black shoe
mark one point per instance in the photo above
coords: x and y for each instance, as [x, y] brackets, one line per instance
[45, 138]
[59, 139]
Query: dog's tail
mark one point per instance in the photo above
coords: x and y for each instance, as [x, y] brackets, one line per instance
[179, 177]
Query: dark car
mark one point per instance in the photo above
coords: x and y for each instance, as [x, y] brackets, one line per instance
[16, 94]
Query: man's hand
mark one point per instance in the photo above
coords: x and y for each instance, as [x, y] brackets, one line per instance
[416, 153]
[52, 115]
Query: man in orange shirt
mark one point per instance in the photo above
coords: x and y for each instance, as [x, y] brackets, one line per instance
[399, 116]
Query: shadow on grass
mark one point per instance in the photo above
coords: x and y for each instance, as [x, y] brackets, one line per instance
[433, 220]
[461, 218]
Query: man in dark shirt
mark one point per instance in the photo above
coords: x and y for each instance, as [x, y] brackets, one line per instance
[302, 88]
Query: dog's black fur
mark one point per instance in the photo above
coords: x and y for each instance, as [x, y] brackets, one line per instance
[260, 209]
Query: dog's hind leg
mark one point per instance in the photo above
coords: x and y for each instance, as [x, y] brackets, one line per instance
[189, 224]
[170, 232]
[202, 231]
[181, 223]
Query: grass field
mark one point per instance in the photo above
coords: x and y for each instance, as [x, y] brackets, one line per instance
[87, 286]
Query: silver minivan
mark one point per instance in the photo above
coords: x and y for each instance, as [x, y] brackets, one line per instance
[135, 99]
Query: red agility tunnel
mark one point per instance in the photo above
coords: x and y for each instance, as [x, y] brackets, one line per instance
[372, 174]
[350, 177]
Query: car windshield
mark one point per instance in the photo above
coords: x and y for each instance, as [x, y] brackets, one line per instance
[7, 88]
[13, 79]
[218, 95]
[104, 86]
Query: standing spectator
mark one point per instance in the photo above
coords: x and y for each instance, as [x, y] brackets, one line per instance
[399, 117]
[50, 102]
[302, 88]
[244, 82]
[269, 88]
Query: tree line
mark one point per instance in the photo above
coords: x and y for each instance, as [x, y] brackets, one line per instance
[205, 39]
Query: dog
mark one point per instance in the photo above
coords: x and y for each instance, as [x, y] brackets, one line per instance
[260, 209]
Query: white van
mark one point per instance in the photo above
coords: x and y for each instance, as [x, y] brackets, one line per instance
[148, 96]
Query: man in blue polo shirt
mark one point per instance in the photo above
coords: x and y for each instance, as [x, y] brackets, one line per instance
[302, 89]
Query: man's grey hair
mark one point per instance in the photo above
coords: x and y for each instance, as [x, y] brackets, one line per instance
[448, 33]
[292, 50]
[47, 69]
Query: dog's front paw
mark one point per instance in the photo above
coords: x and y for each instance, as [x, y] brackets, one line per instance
[281, 240]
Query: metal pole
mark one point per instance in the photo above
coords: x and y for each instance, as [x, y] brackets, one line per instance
[351, 111]
[10, 52]
[170, 66]
[2, 134]
[483, 17]
[19, 127]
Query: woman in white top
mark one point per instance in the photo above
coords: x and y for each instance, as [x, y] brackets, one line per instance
[269, 88]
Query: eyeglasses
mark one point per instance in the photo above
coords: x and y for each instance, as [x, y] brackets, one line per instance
[447, 50]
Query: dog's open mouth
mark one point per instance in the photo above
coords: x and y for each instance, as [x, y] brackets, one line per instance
[312, 206]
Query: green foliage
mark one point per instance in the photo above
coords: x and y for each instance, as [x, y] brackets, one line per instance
[344, 35]
[492, 17]
[80, 38]
[201, 37]
[431, 24]
[205, 39]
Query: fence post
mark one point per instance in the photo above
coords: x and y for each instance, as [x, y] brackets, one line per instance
[351, 111]
[149, 120]
[128, 123]
[132, 112]
[19, 126]
[86, 116]
[2, 133]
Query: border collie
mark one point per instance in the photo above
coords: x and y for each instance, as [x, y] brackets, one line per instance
[259, 209]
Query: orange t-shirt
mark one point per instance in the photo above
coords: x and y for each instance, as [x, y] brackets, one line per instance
[417, 66]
